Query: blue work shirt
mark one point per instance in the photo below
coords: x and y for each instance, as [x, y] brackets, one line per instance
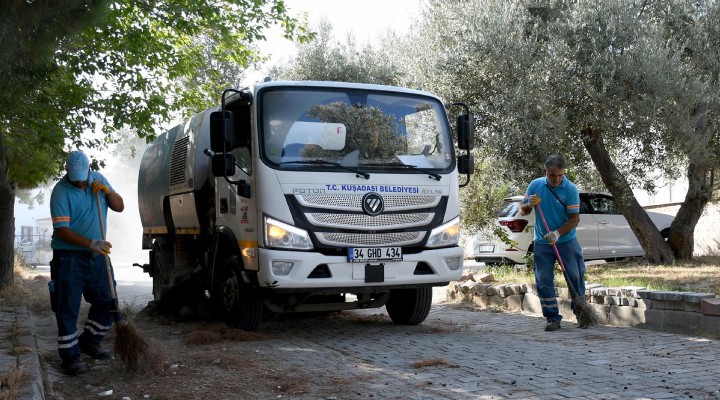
[556, 214]
[76, 209]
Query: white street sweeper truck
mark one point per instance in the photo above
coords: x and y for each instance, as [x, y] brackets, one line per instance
[307, 196]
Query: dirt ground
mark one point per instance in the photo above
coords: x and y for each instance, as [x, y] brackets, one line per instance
[199, 360]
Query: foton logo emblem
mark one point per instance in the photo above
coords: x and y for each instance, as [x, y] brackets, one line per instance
[372, 204]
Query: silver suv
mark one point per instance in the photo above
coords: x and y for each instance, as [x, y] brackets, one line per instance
[603, 232]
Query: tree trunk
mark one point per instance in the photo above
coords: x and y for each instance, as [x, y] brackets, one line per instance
[7, 222]
[682, 230]
[656, 250]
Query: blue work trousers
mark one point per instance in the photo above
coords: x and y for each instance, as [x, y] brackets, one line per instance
[77, 274]
[544, 258]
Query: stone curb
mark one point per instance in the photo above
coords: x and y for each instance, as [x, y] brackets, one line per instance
[676, 312]
[29, 357]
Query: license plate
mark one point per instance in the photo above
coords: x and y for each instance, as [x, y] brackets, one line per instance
[367, 254]
[485, 249]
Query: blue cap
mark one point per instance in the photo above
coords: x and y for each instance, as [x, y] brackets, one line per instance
[77, 166]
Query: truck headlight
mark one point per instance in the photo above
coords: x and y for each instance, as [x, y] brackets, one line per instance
[445, 235]
[283, 236]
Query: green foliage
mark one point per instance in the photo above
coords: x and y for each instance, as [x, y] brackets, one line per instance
[539, 73]
[130, 64]
[324, 59]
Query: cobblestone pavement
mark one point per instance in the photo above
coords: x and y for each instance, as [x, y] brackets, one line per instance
[484, 355]
[460, 353]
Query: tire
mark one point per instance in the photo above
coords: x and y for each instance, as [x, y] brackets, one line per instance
[242, 307]
[409, 306]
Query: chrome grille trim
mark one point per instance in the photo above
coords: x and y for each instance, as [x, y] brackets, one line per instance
[372, 239]
[352, 202]
[366, 222]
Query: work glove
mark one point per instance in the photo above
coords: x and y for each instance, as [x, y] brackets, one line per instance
[100, 246]
[98, 186]
[552, 237]
[533, 200]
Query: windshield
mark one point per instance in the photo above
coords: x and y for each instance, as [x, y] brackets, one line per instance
[302, 127]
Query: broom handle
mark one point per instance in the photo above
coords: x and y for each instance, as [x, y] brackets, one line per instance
[573, 292]
[113, 294]
[547, 229]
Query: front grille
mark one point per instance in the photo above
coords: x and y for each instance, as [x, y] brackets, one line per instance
[370, 239]
[353, 202]
[337, 221]
[366, 222]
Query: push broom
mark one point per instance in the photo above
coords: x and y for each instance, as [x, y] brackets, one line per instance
[130, 345]
[585, 315]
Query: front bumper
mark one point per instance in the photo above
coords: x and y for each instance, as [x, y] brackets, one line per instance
[430, 267]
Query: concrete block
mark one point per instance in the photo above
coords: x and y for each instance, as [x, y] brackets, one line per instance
[466, 287]
[481, 301]
[502, 291]
[657, 295]
[513, 289]
[531, 288]
[692, 307]
[710, 307]
[496, 301]
[492, 290]
[609, 300]
[601, 291]
[644, 294]
[481, 289]
[514, 302]
[630, 291]
[668, 305]
[523, 288]
[674, 296]
[598, 299]
[531, 303]
[698, 297]
[625, 316]
[643, 303]
[614, 291]
[681, 322]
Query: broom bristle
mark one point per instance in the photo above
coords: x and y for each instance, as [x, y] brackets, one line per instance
[134, 349]
[585, 314]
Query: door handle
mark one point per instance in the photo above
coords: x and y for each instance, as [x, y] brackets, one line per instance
[603, 222]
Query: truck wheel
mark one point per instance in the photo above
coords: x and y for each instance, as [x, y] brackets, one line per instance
[243, 308]
[409, 306]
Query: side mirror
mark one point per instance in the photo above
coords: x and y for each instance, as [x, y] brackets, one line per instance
[223, 165]
[466, 134]
[466, 165]
[222, 131]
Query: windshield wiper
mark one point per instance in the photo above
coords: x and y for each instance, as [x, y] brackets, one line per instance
[358, 173]
[433, 175]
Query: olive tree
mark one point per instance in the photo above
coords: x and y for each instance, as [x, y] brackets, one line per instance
[73, 67]
[618, 87]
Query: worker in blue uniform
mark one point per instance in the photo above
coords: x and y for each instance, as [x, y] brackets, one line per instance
[78, 267]
[561, 206]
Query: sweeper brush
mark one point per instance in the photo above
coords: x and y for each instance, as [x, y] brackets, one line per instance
[584, 313]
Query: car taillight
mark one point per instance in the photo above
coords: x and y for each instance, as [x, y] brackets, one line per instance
[515, 225]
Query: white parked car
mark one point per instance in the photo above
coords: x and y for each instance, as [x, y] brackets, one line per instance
[603, 232]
